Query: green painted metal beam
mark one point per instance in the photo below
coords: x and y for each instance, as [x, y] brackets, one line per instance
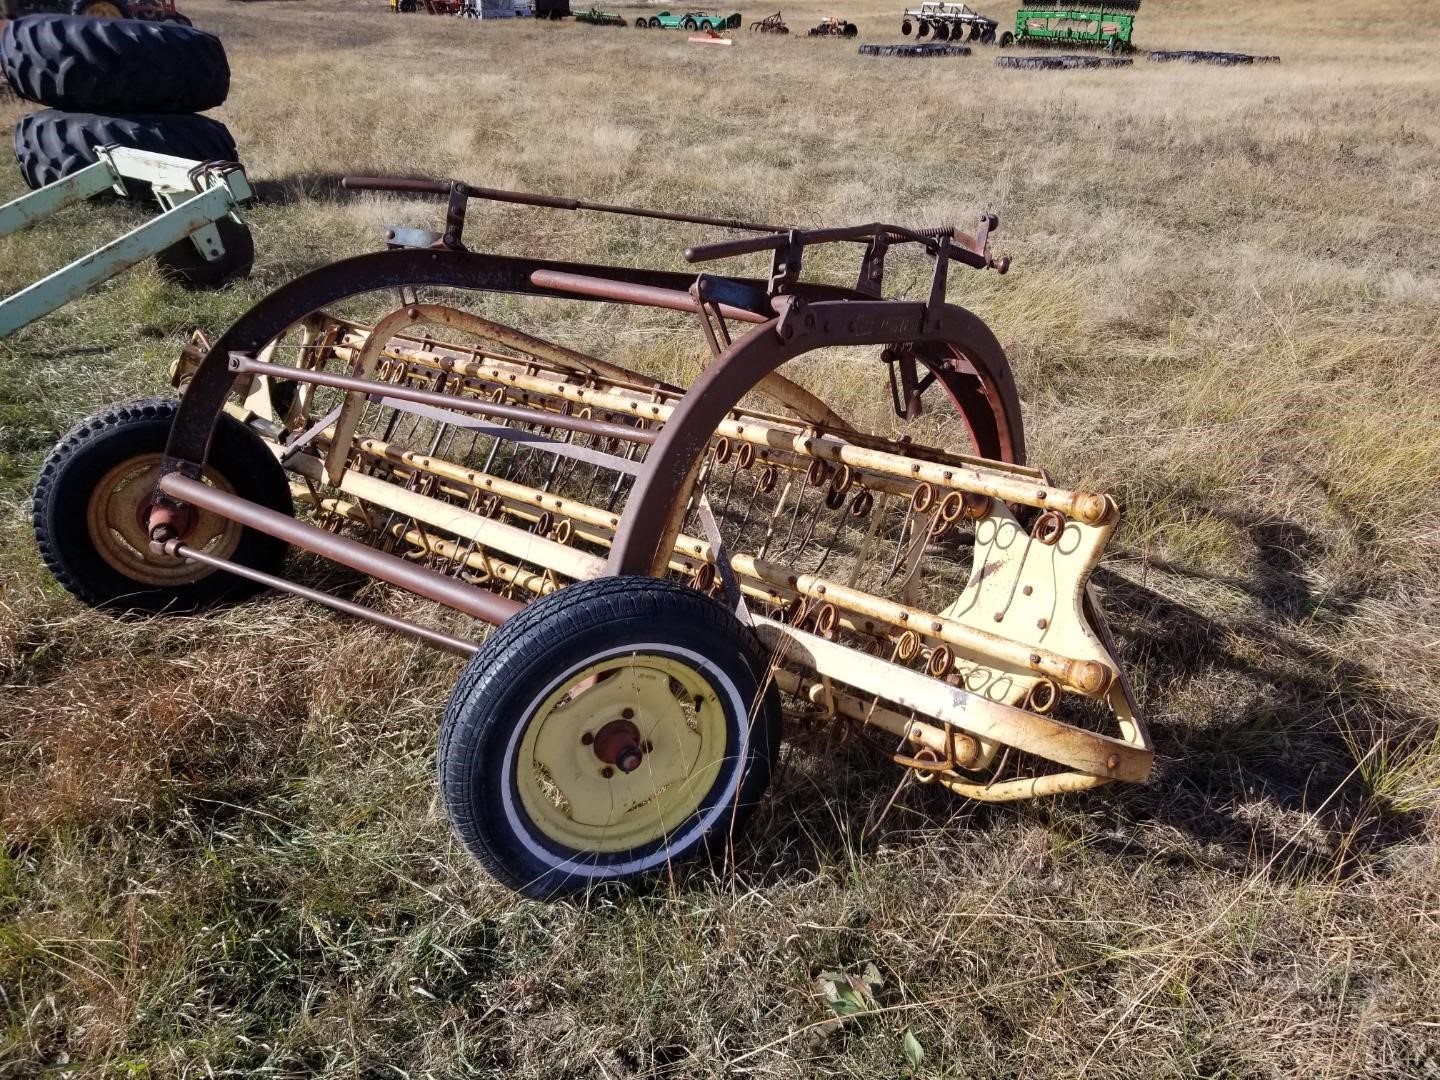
[28, 209]
[139, 244]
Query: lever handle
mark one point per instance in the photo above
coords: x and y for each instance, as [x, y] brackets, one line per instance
[394, 183]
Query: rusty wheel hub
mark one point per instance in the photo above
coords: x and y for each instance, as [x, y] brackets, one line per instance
[618, 744]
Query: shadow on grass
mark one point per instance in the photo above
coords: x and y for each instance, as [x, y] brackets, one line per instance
[302, 187]
[1291, 732]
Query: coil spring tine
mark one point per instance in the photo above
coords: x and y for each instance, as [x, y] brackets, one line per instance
[845, 510]
[779, 509]
[620, 478]
[794, 516]
[725, 502]
[750, 506]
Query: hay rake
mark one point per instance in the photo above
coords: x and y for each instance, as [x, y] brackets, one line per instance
[670, 568]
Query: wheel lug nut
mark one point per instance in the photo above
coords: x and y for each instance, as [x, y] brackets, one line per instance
[586, 739]
[627, 714]
[607, 772]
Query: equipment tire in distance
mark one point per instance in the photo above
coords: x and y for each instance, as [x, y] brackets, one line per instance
[607, 731]
[114, 65]
[102, 9]
[95, 489]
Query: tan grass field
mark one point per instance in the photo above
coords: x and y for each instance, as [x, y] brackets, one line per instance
[223, 853]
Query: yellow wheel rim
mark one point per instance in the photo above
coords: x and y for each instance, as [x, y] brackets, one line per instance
[115, 519]
[570, 778]
[103, 9]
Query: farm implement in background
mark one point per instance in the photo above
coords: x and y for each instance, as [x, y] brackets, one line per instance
[771, 24]
[198, 239]
[671, 570]
[596, 17]
[1103, 24]
[948, 22]
[833, 27]
[702, 21]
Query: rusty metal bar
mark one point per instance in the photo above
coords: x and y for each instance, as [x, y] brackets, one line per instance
[627, 293]
[440, 640]
[243, 365]
[480, 604]
[518, 435]
[553, 202]
[779, 238]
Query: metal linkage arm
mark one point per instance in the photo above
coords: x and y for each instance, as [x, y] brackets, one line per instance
[194, 195]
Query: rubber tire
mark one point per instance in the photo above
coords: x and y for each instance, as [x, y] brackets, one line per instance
[654, 23]
[851, 30]
[1007, 39]
[641, 24]
[183, 264]
[114, 65]
[561, 633]
[689, 24]
[704, 25]
[79, 6]
[50, 144]
[81, 459]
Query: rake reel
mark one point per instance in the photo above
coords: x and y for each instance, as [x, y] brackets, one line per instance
[671, 568]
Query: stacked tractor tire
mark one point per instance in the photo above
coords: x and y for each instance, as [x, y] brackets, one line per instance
[113, 81]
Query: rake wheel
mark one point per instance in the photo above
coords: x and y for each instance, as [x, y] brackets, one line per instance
[607, 732]
[95, 490]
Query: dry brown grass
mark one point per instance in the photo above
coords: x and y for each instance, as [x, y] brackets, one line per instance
[223, 852]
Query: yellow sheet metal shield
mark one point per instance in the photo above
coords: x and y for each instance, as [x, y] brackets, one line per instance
[577, 799]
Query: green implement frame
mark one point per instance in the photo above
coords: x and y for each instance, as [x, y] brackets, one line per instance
[599, 18]
[193, 196]
[1097, 25]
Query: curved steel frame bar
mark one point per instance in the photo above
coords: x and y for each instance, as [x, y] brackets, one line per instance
[286, 306]
[981, 386]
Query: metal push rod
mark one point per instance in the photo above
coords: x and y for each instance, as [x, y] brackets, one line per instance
[554, 202]
[440, 640]
[629, 293]
[469, 600]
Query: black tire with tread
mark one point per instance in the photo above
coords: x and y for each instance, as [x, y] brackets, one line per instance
[114, 65]
[51, 144]
[98, 443]
[183, 264]
[557, 633]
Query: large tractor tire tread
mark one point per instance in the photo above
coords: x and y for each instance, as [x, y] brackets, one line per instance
[51, 144]
[114, 65]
